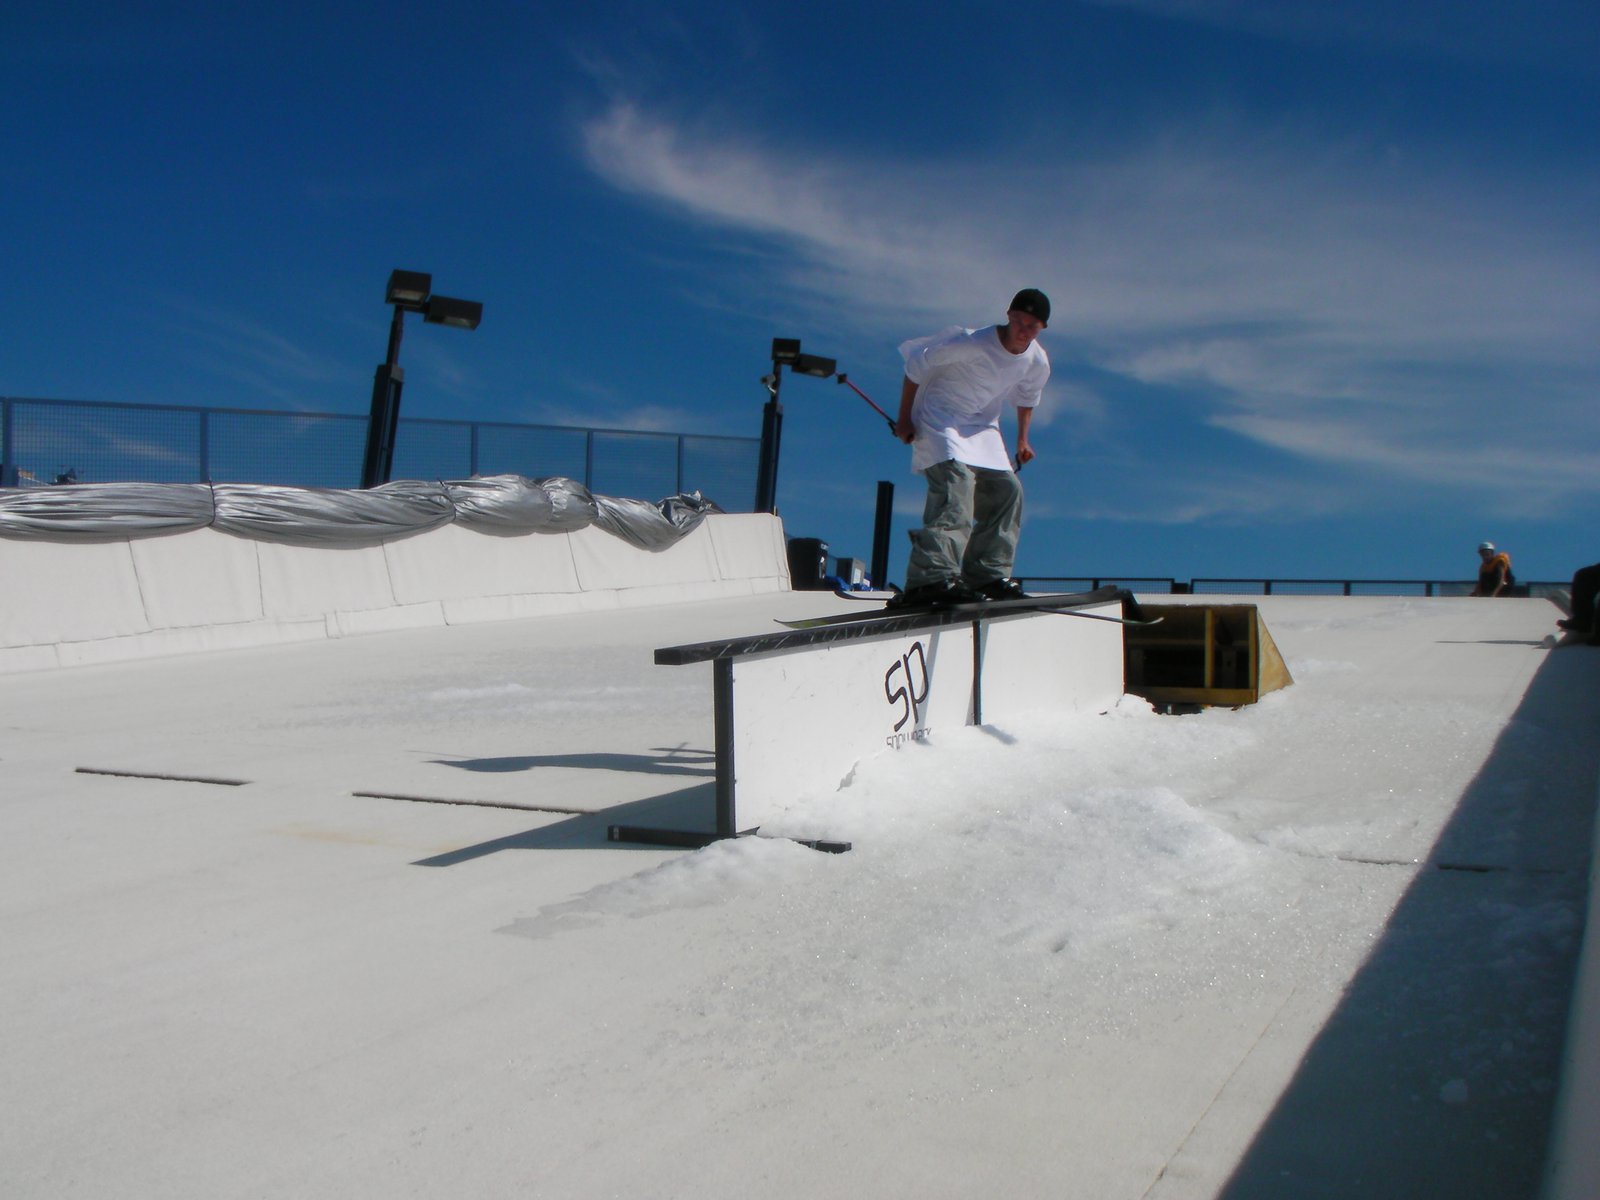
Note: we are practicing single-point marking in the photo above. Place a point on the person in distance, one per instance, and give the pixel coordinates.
(1494, 571)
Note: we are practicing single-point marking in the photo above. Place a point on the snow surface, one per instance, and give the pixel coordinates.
(1319, 946)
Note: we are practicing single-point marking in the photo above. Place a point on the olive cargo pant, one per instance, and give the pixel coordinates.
(970, 526)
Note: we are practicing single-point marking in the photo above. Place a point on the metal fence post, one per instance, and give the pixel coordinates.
(205, 446)
(8, 468)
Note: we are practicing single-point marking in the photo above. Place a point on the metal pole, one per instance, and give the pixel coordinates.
(396, 330)
(771, 436)
(385, 413)
(880, 534)
(386, 385)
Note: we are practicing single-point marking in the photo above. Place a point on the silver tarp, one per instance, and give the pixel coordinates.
(497, 504)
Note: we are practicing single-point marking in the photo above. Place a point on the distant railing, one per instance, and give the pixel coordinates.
(1085, 583)
(1279, 587)
(43, 442)
(1361, 587)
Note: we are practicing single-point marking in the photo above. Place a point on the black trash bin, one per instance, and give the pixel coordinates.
(808, 563)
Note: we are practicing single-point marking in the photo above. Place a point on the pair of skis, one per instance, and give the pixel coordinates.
(1070, 604)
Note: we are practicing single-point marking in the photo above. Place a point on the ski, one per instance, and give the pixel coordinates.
(972, 609)
(1066, 603)
(1138, 622)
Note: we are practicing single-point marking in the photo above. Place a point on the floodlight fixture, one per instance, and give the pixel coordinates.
(458, 314)
(813, 365)
(785, 350)
(408, 291)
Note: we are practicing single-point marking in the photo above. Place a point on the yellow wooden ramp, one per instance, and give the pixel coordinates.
(1203, 654)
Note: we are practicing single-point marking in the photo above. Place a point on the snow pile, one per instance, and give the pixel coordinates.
(1003, 883)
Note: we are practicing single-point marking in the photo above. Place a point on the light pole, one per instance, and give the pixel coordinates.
(785, 352)
(408, 291)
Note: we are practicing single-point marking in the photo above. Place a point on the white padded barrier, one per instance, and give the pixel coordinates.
(477, 576)
(754, 551)
(75, 603)
(55, 593)
(198, 578)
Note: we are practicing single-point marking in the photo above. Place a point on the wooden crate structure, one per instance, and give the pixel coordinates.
(1217, 654)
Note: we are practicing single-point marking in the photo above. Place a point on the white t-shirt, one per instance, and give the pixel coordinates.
(965, 379)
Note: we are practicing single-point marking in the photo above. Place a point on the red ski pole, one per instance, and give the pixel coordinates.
(845, 379)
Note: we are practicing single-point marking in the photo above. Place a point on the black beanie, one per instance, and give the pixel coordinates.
(1033, 302)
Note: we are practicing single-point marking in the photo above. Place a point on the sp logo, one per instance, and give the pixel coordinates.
(905, 684)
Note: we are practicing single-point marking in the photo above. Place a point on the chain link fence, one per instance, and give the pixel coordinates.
(45, 442)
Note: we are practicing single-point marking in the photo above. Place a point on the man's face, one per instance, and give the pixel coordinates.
(1022, 328)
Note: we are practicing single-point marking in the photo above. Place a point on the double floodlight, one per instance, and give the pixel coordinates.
(786, 353)
(411, 291)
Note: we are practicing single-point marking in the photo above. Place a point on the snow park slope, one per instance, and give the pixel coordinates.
(340, 919)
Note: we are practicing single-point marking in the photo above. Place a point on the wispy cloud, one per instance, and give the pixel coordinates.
(251, 355)
(712, 177)
(1472, 30)
(1334, 301)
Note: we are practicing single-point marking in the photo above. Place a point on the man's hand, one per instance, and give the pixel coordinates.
(903, 427)
(1024, 446)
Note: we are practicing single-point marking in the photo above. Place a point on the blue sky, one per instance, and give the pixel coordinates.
(1326, 277)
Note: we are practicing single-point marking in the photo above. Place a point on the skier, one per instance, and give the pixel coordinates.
(956, 385)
